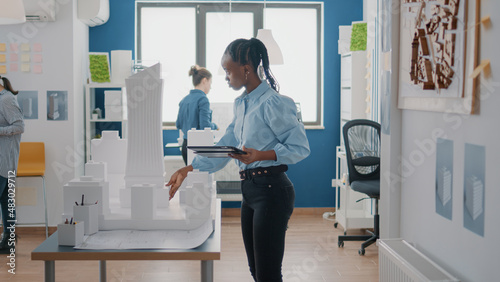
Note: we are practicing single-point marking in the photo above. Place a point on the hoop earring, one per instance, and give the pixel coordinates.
(246, 76)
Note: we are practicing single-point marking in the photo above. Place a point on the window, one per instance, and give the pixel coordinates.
(182, 34)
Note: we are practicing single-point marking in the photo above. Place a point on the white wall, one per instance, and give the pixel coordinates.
(64, 44)
(463, 253)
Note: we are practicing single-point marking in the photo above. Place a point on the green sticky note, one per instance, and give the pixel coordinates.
(358, 36)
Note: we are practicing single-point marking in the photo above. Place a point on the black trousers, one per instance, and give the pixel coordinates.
(265, 210)
(184, 151)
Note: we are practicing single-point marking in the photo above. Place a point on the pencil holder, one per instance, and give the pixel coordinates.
(89, 215)
(70, 234)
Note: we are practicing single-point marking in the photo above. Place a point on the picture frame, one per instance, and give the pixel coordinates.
(99, 67)
(465, 27)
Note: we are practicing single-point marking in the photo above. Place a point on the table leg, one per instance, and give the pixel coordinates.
(50, 271)
(207, 271)
(102, 271)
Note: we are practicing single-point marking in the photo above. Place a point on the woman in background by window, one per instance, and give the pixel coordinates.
(11, 128)
(194, 109)
(266, 127)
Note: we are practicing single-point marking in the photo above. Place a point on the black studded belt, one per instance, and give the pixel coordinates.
(262, 171)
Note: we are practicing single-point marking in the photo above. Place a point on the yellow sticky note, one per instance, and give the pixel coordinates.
(3, 69)
(3, 58)
(25, 67)
(3, 47)
(25, 58)
(25, 47)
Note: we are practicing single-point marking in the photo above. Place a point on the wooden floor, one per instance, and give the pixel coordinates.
(311, 255)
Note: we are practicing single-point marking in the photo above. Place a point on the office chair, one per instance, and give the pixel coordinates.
(362, 147)
(32, 164)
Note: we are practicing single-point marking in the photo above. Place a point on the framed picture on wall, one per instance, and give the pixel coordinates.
(438, 53)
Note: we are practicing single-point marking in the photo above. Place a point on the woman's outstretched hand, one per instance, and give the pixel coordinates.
(176, 180)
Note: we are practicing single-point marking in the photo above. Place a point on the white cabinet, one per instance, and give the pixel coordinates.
(93, 126)
(350, 213)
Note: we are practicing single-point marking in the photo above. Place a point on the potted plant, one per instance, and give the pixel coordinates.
(95, 114)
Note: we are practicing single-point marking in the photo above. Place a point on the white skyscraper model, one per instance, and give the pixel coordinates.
(145, 139)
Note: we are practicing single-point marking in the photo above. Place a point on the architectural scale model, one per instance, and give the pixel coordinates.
(126, 177)
(433, 45)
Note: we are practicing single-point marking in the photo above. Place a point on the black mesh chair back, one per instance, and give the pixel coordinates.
(362, 146)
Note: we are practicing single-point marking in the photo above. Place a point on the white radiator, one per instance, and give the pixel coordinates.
(401, 262)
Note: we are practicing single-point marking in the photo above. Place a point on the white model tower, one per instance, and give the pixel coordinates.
(145, 140)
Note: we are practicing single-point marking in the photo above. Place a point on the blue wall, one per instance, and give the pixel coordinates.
(313, 176)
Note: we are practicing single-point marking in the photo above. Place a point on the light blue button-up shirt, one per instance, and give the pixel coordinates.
(11, 127)
(263, 120)
(194, 112)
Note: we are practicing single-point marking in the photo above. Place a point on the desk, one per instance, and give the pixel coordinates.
(49, 251)
(172, 145)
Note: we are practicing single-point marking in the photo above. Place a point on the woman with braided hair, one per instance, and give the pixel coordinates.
(266, 127)
(11, 128)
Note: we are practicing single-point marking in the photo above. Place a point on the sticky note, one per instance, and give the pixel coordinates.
(3, 48)
(25, 67)
(25, 58)
(3, 58)
(37, 58)
(37, 69)
(13, 57)
(14, 47)
(3, 69)
(25, 47)
(14, 67)
(37, 47)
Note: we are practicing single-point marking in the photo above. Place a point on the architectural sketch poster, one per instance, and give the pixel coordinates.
(28, 101)
(444, 178)
(438, 52)
(474, 188)
(57, 105)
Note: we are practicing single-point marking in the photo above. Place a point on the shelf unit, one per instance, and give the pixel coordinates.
(90, 105)
(353, 104)
(353, 90)
(350, 213)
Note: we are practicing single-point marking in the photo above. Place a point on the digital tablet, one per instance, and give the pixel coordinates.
(216, 151)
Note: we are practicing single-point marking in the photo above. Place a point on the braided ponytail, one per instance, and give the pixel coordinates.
(264, 57)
